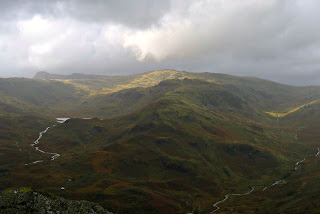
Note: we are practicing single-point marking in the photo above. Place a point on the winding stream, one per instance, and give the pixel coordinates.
(228, 195)
(215, 205)
(37, 141)
(17, 144)
(275, 183)
(298, 163)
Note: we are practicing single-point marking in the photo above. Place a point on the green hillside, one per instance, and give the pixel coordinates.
(160, 142)
(266, 96)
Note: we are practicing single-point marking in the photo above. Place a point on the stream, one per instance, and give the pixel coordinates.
(298, 164)
(37, 141)
(17, 144)
(228, 195)
(215, 205)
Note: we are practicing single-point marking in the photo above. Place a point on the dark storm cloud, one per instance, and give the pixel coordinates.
(138, 13)
(249, 37)
(20, 9)
(35, 34)
(274, 39)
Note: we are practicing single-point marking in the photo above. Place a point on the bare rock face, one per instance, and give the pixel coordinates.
(25, 200)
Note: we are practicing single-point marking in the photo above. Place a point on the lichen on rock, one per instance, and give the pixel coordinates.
(26, 200)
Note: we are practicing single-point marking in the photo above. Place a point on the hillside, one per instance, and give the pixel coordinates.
(38, 97)
(193, 91)
(48, 76)
(266, 95)
(169, 153)
(159, 142)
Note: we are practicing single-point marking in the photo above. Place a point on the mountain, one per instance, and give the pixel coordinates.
(162, 142)
(32, 96)
(266, 95)
(202, 93)
(46, 75)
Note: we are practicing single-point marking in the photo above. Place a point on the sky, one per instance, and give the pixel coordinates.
(273, 39)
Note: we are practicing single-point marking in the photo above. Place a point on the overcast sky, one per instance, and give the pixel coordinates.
(274, 39)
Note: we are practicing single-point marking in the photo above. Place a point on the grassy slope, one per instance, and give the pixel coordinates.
(175, 138)
(61, 95)
(109, 84)
(266, 95)
(16, 134)
(263, 94)
(47, 98)
(194, 139)
(280, 115)
(40, 92)
(127, 101)
(298, 194)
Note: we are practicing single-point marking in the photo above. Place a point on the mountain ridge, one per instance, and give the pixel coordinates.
(47, 75)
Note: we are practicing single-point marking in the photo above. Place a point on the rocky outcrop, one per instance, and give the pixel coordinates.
(25, 200)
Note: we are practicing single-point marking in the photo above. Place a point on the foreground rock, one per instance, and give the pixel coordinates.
(25, 200)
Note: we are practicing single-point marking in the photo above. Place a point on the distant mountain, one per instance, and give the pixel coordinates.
(46, 75)
(267, 95)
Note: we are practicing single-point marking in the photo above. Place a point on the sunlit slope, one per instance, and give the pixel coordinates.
(107, 84)
(265, 95)
(106, 97)
(305, 118)
(280, 115)
(196, 92)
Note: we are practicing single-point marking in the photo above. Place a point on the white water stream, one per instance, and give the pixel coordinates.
(62, 119)
(297, 165)
(37, 141)
(227, 196)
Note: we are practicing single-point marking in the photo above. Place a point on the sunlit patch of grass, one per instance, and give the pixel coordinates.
(24, 190)
(76, 85)
(148, 80)
(145, 80)
(279, 114)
